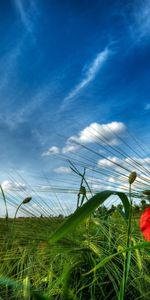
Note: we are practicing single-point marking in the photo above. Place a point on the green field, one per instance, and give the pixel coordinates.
(89, 255)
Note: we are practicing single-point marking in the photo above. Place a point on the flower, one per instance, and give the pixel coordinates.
(145, 223)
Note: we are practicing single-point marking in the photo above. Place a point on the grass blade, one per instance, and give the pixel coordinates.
(85, 211)
(108, 258)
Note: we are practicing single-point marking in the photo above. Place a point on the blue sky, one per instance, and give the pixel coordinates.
(65, 65)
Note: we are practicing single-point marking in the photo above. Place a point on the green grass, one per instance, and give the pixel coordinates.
(86, 262)
(95, 253)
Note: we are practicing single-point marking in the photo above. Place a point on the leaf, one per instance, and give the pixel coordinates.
(84, 211)
(138, 256)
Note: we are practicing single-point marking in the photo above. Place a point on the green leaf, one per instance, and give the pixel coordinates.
(85, 211)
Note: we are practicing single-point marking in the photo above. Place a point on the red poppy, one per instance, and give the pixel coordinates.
(145, 223)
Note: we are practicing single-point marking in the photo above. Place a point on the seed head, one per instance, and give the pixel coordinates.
(82, 190)
(132, 177)
(27, 200)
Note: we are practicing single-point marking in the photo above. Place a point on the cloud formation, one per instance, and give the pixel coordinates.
(128, 164)
(70, 148)
(89, 76)
(51, 151)
(62, 170)
(101, 133)
(13, 186)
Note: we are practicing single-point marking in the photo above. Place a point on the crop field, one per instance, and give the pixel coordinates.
(74, 150)
(100, 250)
(96, 253)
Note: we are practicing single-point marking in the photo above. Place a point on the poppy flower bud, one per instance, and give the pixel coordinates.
(132, 177)
(145, 223)
(27, 200)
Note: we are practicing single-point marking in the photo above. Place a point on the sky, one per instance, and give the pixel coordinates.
(71, 72)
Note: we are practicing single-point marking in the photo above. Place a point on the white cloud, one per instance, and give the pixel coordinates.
(122, 168)
(102, 133)
(145, 162)
(51, 151)
(95, 132)
(140, 165)
(13, 186)
(109, 162)
(62, 170)
(90, 74)
(70, 148)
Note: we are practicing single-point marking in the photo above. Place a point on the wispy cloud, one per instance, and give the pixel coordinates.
(89, 76)
(13, 186)
(140, 28)
(8, 64)
(29, 108)
(147, 106)
(14, 117)
(62, 170)
(27, 11)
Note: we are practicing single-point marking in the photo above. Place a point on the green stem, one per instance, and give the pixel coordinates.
(17, 210)
(127, 254)
(13, 224)
(4, 198)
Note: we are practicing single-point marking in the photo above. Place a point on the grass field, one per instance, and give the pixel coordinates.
(97, 252)
(90, 255)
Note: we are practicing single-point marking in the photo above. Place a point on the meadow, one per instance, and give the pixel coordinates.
(97, 252)
(84, 256)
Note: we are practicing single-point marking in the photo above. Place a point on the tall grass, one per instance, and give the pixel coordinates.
(77, 266)
(94, 253)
